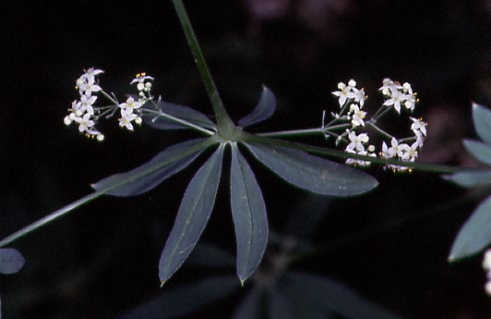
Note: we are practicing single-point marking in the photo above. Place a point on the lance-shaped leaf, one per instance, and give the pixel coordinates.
(193, 215)
(475, 234)
(249, 214)
(470, 178)
(481, 117)
(479, 150)
(151, 174)
(323, 295)
(264, 109)
(313, 173)
(11, 261)
(185, 300)
(162, 122)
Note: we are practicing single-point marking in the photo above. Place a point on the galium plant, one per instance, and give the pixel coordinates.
(350, 126)
(289, 160)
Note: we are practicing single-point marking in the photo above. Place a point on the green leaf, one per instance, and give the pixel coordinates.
(482, 122)
(184, 300)
(322, 295)
(479, 150)
(264, 109)
(249, 214)
(151, 174)
(313, 173)
(470, 178)
(306, 216)
(11, 261)
(475, 234)
(193, 215)
(180, 111)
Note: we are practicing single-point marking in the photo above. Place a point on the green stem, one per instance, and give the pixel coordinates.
(224, 122)
(84, 200)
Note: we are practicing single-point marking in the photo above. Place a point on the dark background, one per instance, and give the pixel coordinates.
(102, 259)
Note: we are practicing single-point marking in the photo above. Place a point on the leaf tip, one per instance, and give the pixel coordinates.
(162, 283)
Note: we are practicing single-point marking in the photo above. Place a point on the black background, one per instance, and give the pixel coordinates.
(102, 259)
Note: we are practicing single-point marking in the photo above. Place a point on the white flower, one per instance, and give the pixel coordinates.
(411, 152)
(345, 92)
(85, 123)
(130, 105)
(397, 149)
(418, 126)
(388, 86)
(126, 118)
(86, 104)
(486, 264)
(357, 142)
(140, 80)
(359, 96)
(396, 98)
(385, 151)
(90, 74)
(358, 115)
(86, 88)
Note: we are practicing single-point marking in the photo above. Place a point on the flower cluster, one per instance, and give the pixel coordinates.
(486, 264)
(86, 115)
(352, 118)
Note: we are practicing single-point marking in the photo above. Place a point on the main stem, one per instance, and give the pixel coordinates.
(225, 124)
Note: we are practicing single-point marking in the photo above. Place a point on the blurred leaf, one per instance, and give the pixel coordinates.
(475, 234)
(193, 215)
(479, 150)
(313, 173)
(208, 255)
(180, 111)
(251, 305)
(279, 306)
(184, 300)
(249, 214)
(328, 296)
(264, 109)
(482, 122)
(149, 175)
(470, 178)
(11, 261)
(306, 216)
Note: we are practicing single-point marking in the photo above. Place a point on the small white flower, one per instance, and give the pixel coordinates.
(411, 152)
(126, 118)
(359, 96)
(345, 92)
(85, 123)
(418, 126)
(486, 264)
(90, 74)
(358, 115)
(130, 105)
(86, 88)
(385, 151)
(396, 98)
(357, 142)
(86, 104)
(397, 149)
(140, 82)
(388, 86)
